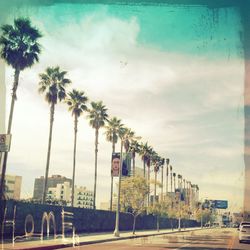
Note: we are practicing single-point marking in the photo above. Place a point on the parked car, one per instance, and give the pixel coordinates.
(244, 234)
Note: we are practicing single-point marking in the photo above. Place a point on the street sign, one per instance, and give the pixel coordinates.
(5, 142)
(219, 204)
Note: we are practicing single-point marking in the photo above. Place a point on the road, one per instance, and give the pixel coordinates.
(219, 239)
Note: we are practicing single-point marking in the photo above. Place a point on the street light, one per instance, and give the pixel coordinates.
(116, 231)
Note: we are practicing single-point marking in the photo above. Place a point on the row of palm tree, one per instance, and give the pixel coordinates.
(20, 48)
(53, 84)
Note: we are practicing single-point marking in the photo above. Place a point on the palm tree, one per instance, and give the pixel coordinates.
(123, 135)
(52, 84)
(156, 162)
(77, 105)
(171, 178)
(134, 148)
(162, 162)
(112, 129)
(97, 118)
(174, 175)
(167, 173)
(130, 135)
(19, 49)
(149, 156)
(144, 150)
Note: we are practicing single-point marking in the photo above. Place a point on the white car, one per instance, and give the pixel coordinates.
(243, 223)
(244, 234)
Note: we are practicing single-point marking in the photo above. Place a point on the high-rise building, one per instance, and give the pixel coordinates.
(13, 186)
(52, 182)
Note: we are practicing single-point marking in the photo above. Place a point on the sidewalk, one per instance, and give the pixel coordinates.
(83, 239)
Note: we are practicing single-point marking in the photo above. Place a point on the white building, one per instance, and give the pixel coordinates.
(83, 197)
(62, 192)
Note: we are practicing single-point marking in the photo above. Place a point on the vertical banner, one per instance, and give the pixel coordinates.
(115, 164)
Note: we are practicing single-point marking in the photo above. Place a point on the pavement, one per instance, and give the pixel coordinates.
(206, 239)
(83, 239)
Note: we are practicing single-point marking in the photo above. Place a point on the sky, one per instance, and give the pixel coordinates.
(174, 75)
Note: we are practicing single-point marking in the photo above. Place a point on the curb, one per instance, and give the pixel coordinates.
(65, 245)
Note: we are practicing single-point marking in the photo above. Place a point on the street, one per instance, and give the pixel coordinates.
(219, 238)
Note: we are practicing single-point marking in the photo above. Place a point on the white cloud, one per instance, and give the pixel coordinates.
(165, 97)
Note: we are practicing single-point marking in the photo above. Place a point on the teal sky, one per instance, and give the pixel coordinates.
(180, 72)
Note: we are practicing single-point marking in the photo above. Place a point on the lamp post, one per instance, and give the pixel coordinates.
(116, 231)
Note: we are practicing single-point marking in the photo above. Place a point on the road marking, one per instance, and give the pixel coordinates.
(231, 243)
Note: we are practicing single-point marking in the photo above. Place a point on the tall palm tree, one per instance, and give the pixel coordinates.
(134, 148)
(171, 178)
(174, 175)
(77, 105)
(162, 162)
(130, 135)
(20, 49)
(149, 156)
(167, 173)
(52, 84)
(144, 153)
(97, 118)
(112, 129)
(156, 163)
(125, 136)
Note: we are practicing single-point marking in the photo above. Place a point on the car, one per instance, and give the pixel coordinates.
(244, 233)
(244, 223)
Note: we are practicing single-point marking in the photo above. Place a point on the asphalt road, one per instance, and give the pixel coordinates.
(219, 239)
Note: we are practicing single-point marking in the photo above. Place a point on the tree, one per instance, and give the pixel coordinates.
(97, 118)
(52, 84)
(160, 209)
(174, 175)
(77, 105)
(19, 49)
(133, 192)
(144, 153)
(167, 173)
(134, 148)
(112, 129)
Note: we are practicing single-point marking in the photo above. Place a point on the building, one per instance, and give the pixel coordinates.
(52, 182)
(105, 205)
(62, 194)
(13, 186)
(83, 198)
(62, 191)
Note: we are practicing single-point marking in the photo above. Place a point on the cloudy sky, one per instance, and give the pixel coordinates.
(172, 74)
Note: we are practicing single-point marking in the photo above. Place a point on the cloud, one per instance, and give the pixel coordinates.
(184, 106)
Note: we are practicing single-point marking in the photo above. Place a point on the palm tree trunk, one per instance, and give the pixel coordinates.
(162, 183)
(155, 187)
(144, 169)
(5, 155)
(148, 186)
(96, 151)
(167, 183)
(133, 164)
(111, 192)
(74, 162)
(171, 180)
(52, 111)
